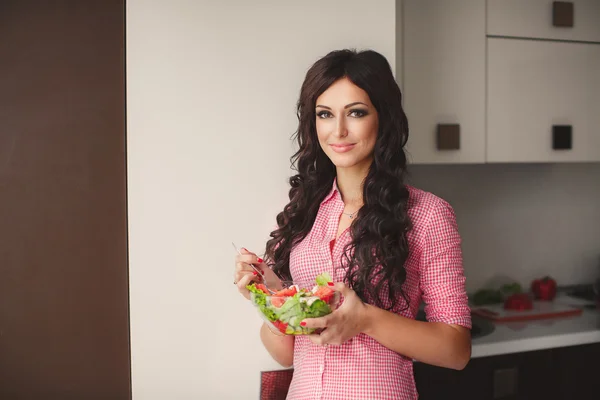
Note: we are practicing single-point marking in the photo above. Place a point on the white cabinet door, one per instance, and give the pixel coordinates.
(534, 19)
(534, 85)
(444, 77)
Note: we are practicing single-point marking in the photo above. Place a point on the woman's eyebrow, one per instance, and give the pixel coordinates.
(355, 103)
(347, 105)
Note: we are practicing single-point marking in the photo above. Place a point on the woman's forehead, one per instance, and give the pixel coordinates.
(342, 92)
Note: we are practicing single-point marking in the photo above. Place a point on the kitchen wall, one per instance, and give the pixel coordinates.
(211, 91)
(522, 221)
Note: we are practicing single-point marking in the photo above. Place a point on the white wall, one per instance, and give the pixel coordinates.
(211, 91)
(522, 221)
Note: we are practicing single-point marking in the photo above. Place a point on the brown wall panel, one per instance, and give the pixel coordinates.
(64, 330)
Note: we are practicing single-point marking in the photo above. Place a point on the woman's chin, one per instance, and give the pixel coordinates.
(346, 160)
(347, 163)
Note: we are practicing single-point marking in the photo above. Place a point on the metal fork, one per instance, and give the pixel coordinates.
(259, 272)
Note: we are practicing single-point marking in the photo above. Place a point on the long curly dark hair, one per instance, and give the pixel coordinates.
(379, 248)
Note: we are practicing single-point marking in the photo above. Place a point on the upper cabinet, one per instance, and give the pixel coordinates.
(443, 80)
(545, 19)
(543, 101)
(500, 81)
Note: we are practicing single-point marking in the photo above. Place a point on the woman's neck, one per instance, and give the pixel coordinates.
(350, 183)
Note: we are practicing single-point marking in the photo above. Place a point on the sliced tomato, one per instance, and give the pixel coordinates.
(286, 292)
(262, 287)
(282, 326)
(277, 301)
(325, 293)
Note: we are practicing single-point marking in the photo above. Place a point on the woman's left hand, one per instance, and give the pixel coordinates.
(344, 323)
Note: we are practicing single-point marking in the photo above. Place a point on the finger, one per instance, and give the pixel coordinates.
(242, 266)
(316, 339)
(256, 260)
(241, 274)
(315, 323)
(248, 269)
(245, 280)
(249, 259)
(342, 288)
(246, 251)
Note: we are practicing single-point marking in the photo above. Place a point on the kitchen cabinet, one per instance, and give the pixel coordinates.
(490, 94)
(543, 101)
(443, 80)
(577, 371)
(559, 374)
(537, 19)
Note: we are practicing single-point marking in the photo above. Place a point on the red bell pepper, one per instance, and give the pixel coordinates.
(544, 289)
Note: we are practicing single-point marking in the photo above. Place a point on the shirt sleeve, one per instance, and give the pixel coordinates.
(442, 278)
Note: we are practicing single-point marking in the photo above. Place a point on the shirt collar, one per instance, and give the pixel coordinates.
(332, 192)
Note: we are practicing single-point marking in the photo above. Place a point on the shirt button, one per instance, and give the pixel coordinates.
(321, 368)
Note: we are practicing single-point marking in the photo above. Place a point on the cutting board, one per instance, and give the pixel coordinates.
(541, 310)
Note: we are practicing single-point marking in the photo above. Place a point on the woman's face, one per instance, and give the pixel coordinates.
(347, 124)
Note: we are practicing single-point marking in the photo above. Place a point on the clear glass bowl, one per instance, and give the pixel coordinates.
(285, 310)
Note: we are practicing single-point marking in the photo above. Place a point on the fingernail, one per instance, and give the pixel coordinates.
(255, 273)
(245, 249)
(260, 260)
(330, 283)
(302, 323)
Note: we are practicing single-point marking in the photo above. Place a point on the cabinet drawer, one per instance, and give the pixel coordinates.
(534, 19)
(534, 86)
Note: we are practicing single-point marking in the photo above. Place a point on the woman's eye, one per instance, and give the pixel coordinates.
(357, 113)
(324, 114)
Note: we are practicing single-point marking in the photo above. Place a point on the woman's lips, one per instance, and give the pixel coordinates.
(342, 148)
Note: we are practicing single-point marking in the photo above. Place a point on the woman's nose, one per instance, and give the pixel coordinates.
(340, 128)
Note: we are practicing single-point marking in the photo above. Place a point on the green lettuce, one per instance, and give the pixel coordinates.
(293, 307)
(259, 298)
(323, 279)
(317, 309)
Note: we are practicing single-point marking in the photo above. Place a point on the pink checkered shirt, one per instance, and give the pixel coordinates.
(362, 368)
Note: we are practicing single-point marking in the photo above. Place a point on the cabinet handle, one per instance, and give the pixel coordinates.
(562, 137)
(448, 136)
(562, 13)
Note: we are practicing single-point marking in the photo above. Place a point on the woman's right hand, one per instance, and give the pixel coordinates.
(244, 274)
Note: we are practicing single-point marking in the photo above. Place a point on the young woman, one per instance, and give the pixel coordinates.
(387, 245)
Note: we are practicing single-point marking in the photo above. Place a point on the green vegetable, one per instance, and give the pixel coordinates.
(487, 296)
(494, 296)
(290, 330)
(291, 308)
(510, 289)
(323, 279)
(318, 309)
(259, 298)
(294, 311)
